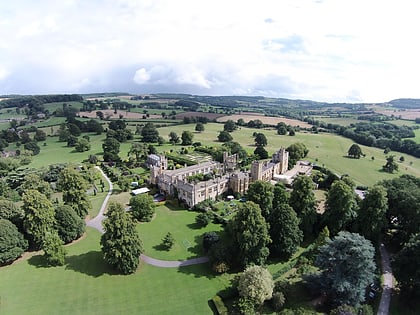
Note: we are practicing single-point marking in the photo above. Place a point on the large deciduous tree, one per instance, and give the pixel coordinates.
(303, 201)
(260, 139)
(39, 216)
(249, 234)
(341, 207)
(407, 268)
(74, 187)
(68, 224)
(9, 211)
(111, 148)
(403, 214)
(121, 244)
(284, 231)
(173, 137)
(355, 151)
(199, 127)
(138, 150)
(256, 285)
(224, 136)
(297, 151)
(371, 217)
(187, 137)
(142, 207)
(347, 267)
(262, 194)
(12, 243)
(149, 133)
(261, 153)
(229, 126)
(34, 181)
(390, 166)
(54, 251)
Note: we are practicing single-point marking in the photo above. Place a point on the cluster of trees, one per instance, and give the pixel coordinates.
(381, 135)
(283, 129)
(41, 223)
(260, 142)
(34, 104)
(273, 223)
(186, 137)
(265, 225)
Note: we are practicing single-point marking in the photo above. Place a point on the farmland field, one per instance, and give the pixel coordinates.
(110, 113)
(409, 114)
(210, 116)
(342, 121)
(266, 120)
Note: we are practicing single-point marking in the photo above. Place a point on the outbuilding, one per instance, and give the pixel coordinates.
(139, 191)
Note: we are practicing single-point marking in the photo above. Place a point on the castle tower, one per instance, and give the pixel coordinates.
(229, 162)
(163, 163)
(256, 170)
(282, 158)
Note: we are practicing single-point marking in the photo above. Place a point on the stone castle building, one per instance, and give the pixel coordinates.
(224, 176)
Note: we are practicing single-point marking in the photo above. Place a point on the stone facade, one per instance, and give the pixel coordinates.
(266, 170)
(224, 176)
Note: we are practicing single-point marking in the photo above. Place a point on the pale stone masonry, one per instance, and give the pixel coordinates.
(225, 176)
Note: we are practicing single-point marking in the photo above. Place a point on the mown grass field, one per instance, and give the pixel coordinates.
(181, 223)
(86, 285)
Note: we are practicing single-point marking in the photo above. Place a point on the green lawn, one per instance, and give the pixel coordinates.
(86, 285)
(58, 152)
(181, 223)
(324, 149)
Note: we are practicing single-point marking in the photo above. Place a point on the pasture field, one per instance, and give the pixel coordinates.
(342, 121)
(417, 133)
(410, 114)
(10, 113)
(324, 149)
(52, 107)
(86, 285)
(403, 122)
(265, 119)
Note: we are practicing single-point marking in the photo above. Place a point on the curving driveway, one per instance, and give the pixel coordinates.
(96, 223)
(388, 282)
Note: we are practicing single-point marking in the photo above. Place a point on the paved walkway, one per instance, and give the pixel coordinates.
(388, 282)
(96, 223)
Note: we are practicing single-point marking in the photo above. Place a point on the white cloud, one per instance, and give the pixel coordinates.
(3, 73)
(141, 76)
(322, 50)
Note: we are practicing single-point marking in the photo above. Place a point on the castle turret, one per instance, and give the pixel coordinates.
(256, 170)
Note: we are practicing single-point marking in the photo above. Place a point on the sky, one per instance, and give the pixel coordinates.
(323, 50)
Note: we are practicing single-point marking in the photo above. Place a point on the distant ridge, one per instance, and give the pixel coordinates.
(408, 103)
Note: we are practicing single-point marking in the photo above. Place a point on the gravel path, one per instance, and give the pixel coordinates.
(388, 282)
(96, 223)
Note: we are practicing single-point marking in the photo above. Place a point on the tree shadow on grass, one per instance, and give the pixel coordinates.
(90, 263)
(198, 271)
(174, 205)
(160, 247)
(197, 248)
(194, 226)
(38, 261)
